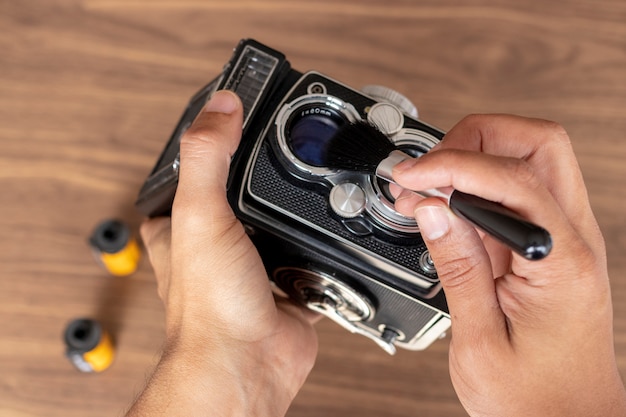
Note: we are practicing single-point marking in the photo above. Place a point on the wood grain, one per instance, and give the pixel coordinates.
(90, 91)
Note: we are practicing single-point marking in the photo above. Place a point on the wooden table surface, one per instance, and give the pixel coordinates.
(91, 89)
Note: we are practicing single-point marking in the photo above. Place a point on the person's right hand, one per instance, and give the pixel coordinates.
(529, 338)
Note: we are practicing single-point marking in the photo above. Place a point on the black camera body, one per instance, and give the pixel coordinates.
(330, 240)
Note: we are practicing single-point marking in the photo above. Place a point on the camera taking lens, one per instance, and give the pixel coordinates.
(310, 130)
(303, 129)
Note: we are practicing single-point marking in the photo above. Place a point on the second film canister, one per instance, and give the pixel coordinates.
(115, 247)
(88, 346)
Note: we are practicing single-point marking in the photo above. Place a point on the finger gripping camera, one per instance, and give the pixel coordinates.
(330, 240)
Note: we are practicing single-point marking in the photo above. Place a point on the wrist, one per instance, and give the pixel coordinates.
(229, 377)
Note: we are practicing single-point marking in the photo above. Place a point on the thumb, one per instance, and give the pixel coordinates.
(464, 270)
(206, 149)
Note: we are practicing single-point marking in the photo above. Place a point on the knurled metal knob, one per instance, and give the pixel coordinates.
(387, 117)
(388, 95)
(347, 200)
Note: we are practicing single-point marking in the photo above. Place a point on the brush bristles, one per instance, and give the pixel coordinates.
(359, 147)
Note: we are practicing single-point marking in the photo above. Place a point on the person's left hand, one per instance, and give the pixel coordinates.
(223, 323)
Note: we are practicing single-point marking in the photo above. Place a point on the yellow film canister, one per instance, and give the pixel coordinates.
(115, 248)
(88, 346)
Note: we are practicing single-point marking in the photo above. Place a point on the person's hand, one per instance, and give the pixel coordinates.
(230, 346)
(529, 338)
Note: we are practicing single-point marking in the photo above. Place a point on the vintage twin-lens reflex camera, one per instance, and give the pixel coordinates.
(330, 240)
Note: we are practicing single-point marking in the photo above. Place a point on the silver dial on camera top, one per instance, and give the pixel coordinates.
(386, 117)
(388, 95)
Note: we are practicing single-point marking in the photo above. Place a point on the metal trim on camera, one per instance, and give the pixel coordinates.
(381, 203)
(325, 294)
(304, 126)
(336, 300)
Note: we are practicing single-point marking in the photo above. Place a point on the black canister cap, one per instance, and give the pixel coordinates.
(83, 335)
(111, 236)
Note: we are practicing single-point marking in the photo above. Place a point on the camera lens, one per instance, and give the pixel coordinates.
(309, 134)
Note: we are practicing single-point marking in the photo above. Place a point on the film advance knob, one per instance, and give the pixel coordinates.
(347, 200)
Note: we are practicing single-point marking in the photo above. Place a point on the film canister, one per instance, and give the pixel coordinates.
(115, 247)
(88, 346)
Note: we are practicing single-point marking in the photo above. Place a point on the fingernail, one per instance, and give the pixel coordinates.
(404, 165)
(222, 101)
(433, 221)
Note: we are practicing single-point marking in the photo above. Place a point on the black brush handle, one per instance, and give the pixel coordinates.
(527, 239)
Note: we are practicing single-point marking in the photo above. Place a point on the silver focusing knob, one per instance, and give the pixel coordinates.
(388, 95)
(347, 200)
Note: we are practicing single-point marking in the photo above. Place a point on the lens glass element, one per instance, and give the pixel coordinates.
(310, 133)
